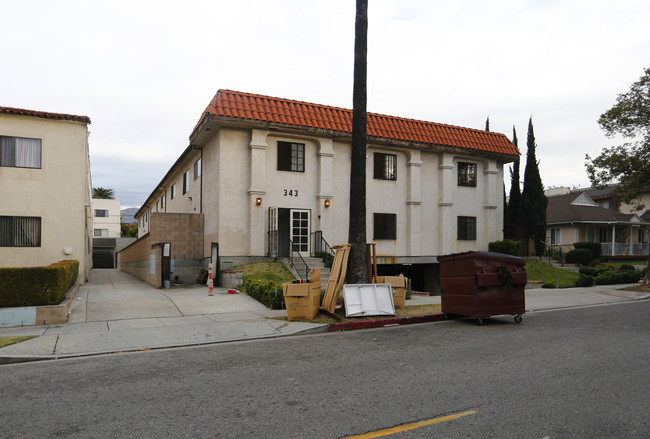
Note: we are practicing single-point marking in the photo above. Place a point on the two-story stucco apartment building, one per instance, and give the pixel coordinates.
(45, 185)
(262, 172)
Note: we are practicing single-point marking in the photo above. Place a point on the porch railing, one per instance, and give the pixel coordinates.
(321, 248)
(298, 262)
(553, 251)
(624, 249)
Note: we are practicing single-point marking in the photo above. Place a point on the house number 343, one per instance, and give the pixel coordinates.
(290, 192)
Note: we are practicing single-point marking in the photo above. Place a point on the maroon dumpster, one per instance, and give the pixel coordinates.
(482, 284)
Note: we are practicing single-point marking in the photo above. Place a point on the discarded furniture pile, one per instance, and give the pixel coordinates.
(380, 297)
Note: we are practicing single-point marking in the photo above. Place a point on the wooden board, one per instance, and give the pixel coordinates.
(337, 277)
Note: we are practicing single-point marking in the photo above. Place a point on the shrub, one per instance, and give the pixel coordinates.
(593, 246)
(548, 285)
(268, 293)
(328, 258)
(584, 280)
(591, 271)
(626, 267)
(506, 246)
(37, 286)
(611, 277)
(580, 256)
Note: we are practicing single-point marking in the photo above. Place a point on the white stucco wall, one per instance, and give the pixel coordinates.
(240, 165)
(58, 192)
(111, 223)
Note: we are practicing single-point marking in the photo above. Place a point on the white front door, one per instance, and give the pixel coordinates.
(300, 230)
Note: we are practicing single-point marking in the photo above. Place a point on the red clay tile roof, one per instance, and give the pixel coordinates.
(237, 105)
(31, 113)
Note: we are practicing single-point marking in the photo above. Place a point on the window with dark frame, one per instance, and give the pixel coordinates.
(385, 166)
(20, 152)
(466, 174)
(384, 226)
(466, 228)
(101, 213)
(291, 157)
(197, 168)
(20, 231)
(186, 181)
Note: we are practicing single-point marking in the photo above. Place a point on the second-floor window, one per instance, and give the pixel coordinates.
(20, 152)
(101, 213)
(385, 166)
(186, 181)
(173, 191)
(466, 174)
(291, 156)
(197, 168)
(162, 202)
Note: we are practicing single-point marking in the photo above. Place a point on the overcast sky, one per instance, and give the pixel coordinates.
(144, 71)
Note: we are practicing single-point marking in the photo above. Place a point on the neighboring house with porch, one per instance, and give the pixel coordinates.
(269, 177)
(576, 217)
(45, 212)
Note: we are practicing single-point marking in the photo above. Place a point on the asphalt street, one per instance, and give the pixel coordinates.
(572, 373)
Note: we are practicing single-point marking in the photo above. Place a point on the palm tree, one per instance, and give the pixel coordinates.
(103, 193)
(357, 268)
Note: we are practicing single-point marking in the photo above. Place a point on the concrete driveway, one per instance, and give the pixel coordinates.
(111, 295)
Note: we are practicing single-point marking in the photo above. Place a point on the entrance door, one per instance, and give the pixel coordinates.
(299, 230)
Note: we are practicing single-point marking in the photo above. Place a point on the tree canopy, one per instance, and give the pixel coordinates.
(103, 193)
(627, 164)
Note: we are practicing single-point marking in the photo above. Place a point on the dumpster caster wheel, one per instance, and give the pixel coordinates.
(479, 321)
(518, 318)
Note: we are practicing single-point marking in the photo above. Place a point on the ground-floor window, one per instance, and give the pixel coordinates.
(385, 226)
(555, 236)
(466, 228)
(20, 231)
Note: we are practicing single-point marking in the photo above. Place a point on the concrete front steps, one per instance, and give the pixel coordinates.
(312, 263)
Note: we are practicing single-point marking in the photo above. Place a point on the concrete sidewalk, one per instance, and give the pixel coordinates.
(114, 312)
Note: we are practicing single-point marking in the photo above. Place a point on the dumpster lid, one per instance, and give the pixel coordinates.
(476, 253)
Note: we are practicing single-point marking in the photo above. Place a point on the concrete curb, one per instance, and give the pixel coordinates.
(14, 359)
(388, 321)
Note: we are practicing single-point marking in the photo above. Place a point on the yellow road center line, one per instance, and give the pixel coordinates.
(411, 426)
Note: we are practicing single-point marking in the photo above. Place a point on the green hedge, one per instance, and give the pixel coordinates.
(585, 280)
(593, 246)
(506, 246)
(37, 286)
(582, 256)
(612, 277)
(269, 293)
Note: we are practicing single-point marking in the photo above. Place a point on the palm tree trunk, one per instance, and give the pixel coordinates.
(357, 265)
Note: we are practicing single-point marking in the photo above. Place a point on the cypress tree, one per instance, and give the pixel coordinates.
(533, 199)
(487, 124)
(513, 212)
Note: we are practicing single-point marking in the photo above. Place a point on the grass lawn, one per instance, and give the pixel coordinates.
(6, 341)
(542, 272)
(265, 271)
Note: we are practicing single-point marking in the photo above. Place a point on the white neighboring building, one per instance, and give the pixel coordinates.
(263, 172)
(106, 218)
